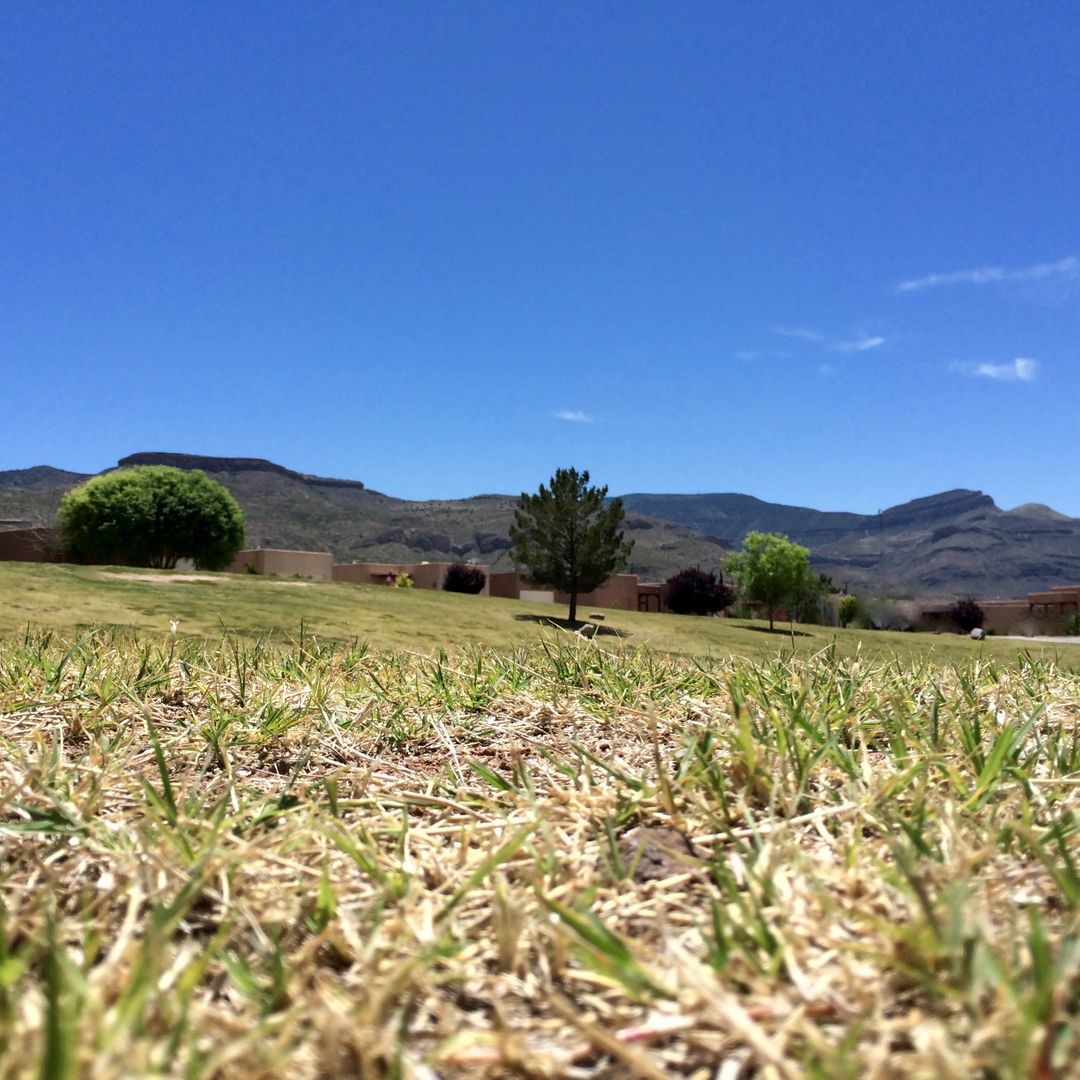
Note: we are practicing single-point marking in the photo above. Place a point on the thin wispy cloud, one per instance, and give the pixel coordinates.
(1068, 267)
(858, 345)
(826, 370)
(762, 354)
(1022, 369)
(801, 333)
(575, 416)
(817, 337)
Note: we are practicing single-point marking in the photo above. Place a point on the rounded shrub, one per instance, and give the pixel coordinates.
(152, 515)
(462, 578)
(694, 592)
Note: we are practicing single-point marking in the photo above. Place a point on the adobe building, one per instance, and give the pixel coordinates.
(284, 563)
(425, 575)
(1040, 613)
(32, 543)
(1062, 600)
(624, 592)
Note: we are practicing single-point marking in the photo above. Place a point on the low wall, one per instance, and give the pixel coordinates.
(284, 563)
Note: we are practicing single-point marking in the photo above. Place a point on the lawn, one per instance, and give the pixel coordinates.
(308, 859)
(68, 598)
(328, 830)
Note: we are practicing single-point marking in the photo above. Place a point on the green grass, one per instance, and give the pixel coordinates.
(230, 858)
(68, 597)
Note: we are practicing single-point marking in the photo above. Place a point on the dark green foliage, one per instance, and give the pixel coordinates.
(694, 592)
(464, 579)
(567, 537)
(152, 515)
(966, 614)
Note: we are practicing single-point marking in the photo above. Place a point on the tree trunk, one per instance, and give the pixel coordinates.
(573, 606)
(771, 613)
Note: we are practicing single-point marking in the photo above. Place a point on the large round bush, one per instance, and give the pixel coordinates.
(152, 515)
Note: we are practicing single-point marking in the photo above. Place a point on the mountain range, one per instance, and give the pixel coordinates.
(956, 543)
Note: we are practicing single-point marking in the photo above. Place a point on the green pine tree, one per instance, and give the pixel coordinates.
(567, 537)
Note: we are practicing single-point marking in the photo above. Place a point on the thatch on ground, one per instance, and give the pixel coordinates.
(259, 861)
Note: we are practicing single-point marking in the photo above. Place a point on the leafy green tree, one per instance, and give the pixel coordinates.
(770, 570)
(567, 537)
(152, 515)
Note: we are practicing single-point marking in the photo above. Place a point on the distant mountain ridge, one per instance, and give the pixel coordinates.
(229, 464)
(957, 542)
(289, 509)
(732, 516)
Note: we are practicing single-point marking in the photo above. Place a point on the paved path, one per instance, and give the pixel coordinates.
(1040, 637)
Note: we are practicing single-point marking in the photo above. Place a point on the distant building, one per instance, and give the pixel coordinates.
(30, 543)
(284, 563)
(1041, 612)
(425, 575)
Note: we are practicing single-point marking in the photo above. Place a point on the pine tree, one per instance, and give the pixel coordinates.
(567, 537)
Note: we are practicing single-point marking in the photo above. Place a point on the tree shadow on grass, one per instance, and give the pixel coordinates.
(572, 627)
(782, 630)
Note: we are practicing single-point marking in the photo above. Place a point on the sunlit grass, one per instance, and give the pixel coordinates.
(247, 857)
(69, 598)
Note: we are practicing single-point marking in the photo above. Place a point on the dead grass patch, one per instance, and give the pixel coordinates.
(240, 860)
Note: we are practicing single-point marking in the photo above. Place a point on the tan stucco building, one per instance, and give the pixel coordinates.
(283, 562)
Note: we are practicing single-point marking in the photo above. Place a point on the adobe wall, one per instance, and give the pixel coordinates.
(29, 545)
(284, 563)
(620, 591)
(623, 592)
(653, 596)
(1005, 616)
(506, 584)
(425, 575)
(999, 617)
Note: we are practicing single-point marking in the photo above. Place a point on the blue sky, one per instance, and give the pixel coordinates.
(821, 253)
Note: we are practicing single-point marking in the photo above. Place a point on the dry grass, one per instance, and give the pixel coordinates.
(252, 860)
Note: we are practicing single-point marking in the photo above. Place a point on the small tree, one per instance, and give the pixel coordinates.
(152, 515)
(770, 569)
(848, 610)
(461, 578)
(694, 592)
(567, 537)
(966, 614)
(403, 580)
